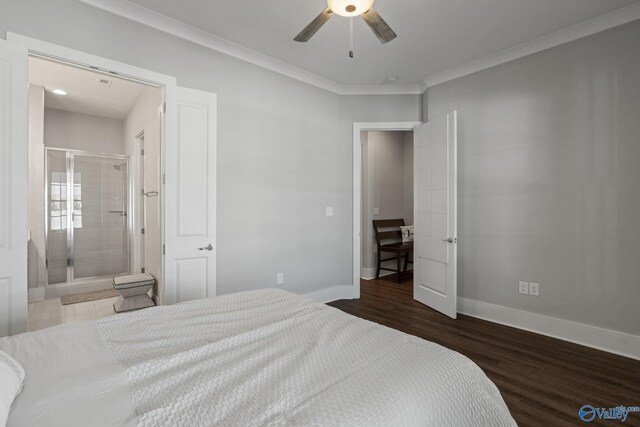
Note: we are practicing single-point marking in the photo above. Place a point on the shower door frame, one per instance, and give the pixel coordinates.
(70, 159)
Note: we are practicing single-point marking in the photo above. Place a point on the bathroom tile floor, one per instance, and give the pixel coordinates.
(51, 312)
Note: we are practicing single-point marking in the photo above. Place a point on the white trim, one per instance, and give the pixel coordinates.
(591, 336)
(84, 59)
(397, 89)
(370, 273)
(332, 294)
(583, 29)
(357, 186)
(36, 294)
(187, 32)
(184, 31)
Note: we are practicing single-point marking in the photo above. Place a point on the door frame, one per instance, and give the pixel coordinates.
(80, 59)
(359, 127)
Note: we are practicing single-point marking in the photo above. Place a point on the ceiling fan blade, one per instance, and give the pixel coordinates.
(314, 26)
(380, 28)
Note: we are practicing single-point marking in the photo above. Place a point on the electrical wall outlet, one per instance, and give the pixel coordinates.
(329, 211)
(523, 288)
(534, 289)
(280, 278)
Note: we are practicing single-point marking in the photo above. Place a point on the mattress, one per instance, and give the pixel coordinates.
(256, 358)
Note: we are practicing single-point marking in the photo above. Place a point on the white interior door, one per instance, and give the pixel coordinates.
(13, 188)
(435, 215)
(190, 195)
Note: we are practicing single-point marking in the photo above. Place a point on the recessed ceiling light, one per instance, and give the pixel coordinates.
(59, 92)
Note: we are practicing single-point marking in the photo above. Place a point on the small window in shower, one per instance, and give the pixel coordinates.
(77, 200)
(58, 213)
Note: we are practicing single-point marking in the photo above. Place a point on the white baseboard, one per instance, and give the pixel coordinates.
(333, 293)
(370, 273)
(36, 294)
(591, 336)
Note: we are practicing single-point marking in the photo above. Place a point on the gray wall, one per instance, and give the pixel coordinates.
(37, 273)
(549, 148)
(407, 177)
(64, 129)
(284, 147)
(144, 116)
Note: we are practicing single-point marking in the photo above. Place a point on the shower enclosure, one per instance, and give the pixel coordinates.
(86, 212)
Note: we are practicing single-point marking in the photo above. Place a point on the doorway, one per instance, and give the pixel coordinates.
(435, 208)
(358, 129)
(83, 191)
(188, 139)
(387, 195)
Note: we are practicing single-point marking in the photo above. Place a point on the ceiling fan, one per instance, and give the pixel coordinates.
(350, 8)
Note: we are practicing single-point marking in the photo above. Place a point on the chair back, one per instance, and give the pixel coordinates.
(388, 231)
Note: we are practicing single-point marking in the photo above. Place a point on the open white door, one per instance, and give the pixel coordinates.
(13, 188)
(435, 231)
(190, 195)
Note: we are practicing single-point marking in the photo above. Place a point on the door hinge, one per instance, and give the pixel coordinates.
(164, 178)
(164, 107)
(142, 270)
(163, 249)
(142, 230)
(142, 152)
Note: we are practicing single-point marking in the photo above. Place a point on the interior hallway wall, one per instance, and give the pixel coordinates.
(144, 116)
(407, 177)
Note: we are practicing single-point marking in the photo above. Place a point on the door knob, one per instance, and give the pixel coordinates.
(450, 240)
(209, 247)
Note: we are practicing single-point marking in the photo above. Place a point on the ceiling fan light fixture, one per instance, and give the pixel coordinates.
(349, 7)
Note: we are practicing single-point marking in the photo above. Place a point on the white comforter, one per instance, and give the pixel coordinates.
(254, 358)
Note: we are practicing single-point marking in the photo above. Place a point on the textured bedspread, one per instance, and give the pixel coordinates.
(270, 357)
(256, 358)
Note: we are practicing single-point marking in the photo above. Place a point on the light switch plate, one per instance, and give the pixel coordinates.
(534, 289)
(280, 278)
(376, 211)
(329, 211)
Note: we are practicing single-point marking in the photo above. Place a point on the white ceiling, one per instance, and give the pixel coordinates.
(433, 35)
(84, 94)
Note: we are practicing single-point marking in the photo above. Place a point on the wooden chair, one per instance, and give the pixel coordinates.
(389, 239)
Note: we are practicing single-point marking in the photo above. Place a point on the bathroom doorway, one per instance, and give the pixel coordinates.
(87, 213)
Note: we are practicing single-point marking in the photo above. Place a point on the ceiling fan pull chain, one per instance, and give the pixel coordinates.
(351, 37)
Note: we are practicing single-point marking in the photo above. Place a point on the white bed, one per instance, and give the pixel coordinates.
(255, 358)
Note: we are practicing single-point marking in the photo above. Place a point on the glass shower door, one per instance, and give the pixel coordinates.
(87, 227)
(100, 237)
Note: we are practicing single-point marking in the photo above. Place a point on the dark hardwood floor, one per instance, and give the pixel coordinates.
(543, 380)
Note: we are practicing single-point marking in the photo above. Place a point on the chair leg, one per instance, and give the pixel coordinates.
(406, 261)
(399, 266)
(378, 268)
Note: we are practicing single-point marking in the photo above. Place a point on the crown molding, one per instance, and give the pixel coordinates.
(184, 31)
(187, 32)
(397, 89)
(583, 29)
